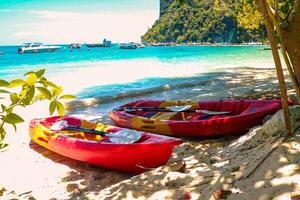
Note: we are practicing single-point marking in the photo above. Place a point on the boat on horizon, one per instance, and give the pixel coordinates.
(105, 43)
(75, 46)
(36, 47)
(140, 45)
(130, 45)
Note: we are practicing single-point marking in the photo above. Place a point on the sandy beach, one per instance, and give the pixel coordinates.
(263, 164)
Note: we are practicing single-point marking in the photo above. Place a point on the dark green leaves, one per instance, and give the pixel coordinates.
(45, 92)
(14, 98)
(3, 83)
(40, 73)
(4, 91)
(56, 91)
(29, 96)
(24, 93)
(58, 106)
(13, 118)
(16, 83)
(48, 83)
(52, 107)
(67, 96)
(31, 79)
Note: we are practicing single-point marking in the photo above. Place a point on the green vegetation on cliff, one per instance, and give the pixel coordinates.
(206, 21)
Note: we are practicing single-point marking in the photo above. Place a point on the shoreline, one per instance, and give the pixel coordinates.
(235, 84)
(34, 172)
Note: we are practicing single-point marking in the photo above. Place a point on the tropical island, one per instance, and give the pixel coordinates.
(200, 21)
(253, 159)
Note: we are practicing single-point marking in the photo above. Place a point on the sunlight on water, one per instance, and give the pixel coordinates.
(110, 71)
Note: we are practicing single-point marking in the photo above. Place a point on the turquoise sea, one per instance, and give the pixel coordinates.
(109, 73)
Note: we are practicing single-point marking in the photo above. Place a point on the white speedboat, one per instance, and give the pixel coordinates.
(130, 45)
(37, 48)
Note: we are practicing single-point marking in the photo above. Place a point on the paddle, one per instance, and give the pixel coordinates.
(124, 136)
(170, 108)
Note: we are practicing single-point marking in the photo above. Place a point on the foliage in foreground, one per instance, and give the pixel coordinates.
(24, 92)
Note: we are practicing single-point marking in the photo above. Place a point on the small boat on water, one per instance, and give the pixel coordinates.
(105, 43)
(1, 52)
(37, 48)
(139, 45)
(148, 151)
(130, 45)
(197, 119)
(75, 46)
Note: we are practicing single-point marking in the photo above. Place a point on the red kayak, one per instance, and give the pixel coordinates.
(149, 151)
(204, 118)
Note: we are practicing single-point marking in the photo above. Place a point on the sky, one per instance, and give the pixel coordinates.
(75, 21)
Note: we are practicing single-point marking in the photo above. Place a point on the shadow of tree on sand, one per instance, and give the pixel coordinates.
(199, 167)
(82, 177)
(263, 164)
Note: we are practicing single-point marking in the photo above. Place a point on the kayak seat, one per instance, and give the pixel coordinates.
(149, 114)
(204, 117)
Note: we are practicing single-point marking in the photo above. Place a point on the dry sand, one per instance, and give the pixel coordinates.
(197, 168)
(263, 164)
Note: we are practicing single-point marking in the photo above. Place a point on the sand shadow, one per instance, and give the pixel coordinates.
(83, 178)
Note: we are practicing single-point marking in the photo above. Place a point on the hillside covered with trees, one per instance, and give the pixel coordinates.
(206, 21)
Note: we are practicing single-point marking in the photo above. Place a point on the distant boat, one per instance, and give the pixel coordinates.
(140, 45)
(37, 48)
(75, 46)
(1, 52)
(106, 43)
(130, 45)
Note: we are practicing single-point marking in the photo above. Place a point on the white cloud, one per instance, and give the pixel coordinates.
(67, 27)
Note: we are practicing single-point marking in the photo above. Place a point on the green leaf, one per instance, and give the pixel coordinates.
(3, 107)
(4, 91)
(45, 92)
(52, 107)
(15, 127)
(43, 79)
(14, 98)
(16, 83)
(49, 83)
(27, 73)
(31, 79)
(13, 118)
(60, 108)
(67, 96)
(9, 110)
(29, 96)
(40, 97)
(40, 73)
(56, 91)
(3, 145)
(3, 83)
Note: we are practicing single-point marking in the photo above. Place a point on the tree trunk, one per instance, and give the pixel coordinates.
(291, 35)
(282, 86)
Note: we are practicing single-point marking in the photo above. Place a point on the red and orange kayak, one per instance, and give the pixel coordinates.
(149, 151)
(204, 118)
